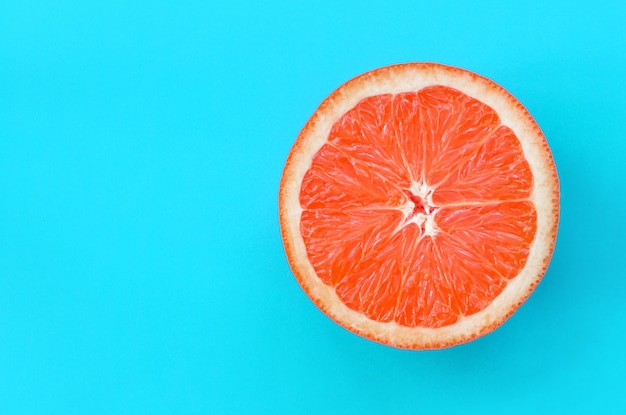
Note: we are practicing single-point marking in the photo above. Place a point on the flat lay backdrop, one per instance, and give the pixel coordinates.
(141, 265)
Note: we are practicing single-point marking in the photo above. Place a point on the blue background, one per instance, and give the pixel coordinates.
(141, 265)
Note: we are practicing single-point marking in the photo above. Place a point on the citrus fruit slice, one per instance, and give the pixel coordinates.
(419, 205)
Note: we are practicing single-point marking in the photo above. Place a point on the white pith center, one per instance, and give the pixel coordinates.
(420, 209)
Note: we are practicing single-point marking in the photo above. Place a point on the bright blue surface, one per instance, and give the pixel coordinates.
(141, 266)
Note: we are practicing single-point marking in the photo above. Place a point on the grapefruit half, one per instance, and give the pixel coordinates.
(419, 205)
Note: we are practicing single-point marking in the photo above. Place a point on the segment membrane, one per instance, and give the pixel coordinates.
(339, 241)
(453, 125)
(499, 233)
(497, 171)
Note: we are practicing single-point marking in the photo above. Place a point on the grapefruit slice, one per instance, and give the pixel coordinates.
(419, 205)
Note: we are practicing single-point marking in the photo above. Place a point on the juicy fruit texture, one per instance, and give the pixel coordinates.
(417, 209)
(419, 205)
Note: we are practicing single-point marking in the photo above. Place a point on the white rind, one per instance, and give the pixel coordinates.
(545, 196)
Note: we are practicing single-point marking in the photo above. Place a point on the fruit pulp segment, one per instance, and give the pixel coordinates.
(392, 165)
